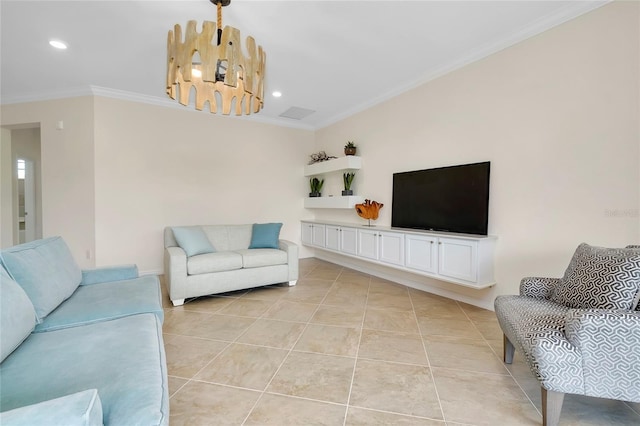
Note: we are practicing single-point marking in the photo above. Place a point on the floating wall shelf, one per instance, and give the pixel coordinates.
(337, 202)
(348, 162)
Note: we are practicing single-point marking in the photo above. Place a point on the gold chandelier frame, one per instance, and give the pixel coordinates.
(223, 73)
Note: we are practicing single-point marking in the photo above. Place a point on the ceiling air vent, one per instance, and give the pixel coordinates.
(297, 113)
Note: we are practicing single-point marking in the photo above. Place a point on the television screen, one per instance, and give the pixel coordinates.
(452, 199)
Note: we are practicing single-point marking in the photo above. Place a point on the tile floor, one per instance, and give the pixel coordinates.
(345, 348)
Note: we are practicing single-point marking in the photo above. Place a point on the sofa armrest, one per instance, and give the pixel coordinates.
(538, 287)
(175, 272)
(292, 257)
(78, 409)
(609, 341)
(110, 273)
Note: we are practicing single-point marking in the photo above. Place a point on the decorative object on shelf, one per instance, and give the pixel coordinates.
(350, 148)
(220, 67)
(316, 187)
(320, 156)
(369, 210)
(347, 178)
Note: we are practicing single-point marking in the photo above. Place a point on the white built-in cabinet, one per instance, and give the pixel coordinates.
(458, 258)
(340, 238)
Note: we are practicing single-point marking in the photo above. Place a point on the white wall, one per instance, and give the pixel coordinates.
(557, 116)
(158, 167)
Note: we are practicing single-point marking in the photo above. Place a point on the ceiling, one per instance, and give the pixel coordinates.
(333, 57)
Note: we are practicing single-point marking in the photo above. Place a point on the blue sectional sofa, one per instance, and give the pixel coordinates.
(78, 347)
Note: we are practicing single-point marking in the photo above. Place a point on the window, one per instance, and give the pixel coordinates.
(21, 168)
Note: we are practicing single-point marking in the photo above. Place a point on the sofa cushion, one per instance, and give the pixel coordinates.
(214, 262)
(17, 316)
(600, 278)
(45, 270)
(265, 235)
(78, 409)
(123, 359)
(192, 240)
(256, 258)
(105, 302)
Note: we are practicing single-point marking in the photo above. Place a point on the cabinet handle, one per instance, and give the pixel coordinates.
(431, 242)
(439, 243)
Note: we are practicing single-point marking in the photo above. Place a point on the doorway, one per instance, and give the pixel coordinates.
(20, 183)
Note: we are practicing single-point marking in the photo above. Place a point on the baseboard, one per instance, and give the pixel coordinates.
(151, 272)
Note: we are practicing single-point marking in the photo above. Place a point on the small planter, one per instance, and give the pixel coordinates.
(315, 194)
(350, 151)
(347, 192)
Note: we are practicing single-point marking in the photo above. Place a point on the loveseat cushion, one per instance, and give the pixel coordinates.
(45, 270)
(192, 240)
(105, 302)
(123, 359)
(17, 316)
(600, 278)
(214, 262)
(265, 235)
(256, 258)
(78, 409)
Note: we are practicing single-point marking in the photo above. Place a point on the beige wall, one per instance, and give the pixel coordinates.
(158, 167)
(67, 168)
(557, 116)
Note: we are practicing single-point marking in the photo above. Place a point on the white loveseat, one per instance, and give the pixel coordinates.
(233, 265)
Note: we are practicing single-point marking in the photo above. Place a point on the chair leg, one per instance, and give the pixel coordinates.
(507, 350)
(551, 406)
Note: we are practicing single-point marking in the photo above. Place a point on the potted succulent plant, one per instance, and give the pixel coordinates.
(316, 186)
(350, 148)
(347, 178)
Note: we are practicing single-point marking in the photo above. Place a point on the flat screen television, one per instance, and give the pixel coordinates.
(452, 199)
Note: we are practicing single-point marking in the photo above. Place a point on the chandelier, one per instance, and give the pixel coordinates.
(217, 68)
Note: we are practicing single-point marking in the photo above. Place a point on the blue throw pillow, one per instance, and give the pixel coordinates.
(192, 240)
(265, 235)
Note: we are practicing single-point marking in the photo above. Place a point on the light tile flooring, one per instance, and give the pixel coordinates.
(345, 348)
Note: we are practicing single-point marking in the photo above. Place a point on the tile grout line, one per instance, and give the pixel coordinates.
(426, 353)
(500, 358)
(306, 325)
(355, 363)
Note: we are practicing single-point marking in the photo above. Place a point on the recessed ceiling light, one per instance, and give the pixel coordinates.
(276, 94)
(58, 44)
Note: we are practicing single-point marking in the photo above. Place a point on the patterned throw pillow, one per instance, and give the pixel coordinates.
(600, 278)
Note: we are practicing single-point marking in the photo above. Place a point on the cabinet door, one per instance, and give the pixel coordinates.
(317, 235)
(332, 237)
(421, 253)
(391, 247)
(307, 233)
(458, 259)
(368, 244)
(349, 240)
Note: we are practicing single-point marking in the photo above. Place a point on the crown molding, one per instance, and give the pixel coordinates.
(569, 12)
(69, 92)
(124, 95)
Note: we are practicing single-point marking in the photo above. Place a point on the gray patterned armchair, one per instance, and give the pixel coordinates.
(580, 334)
